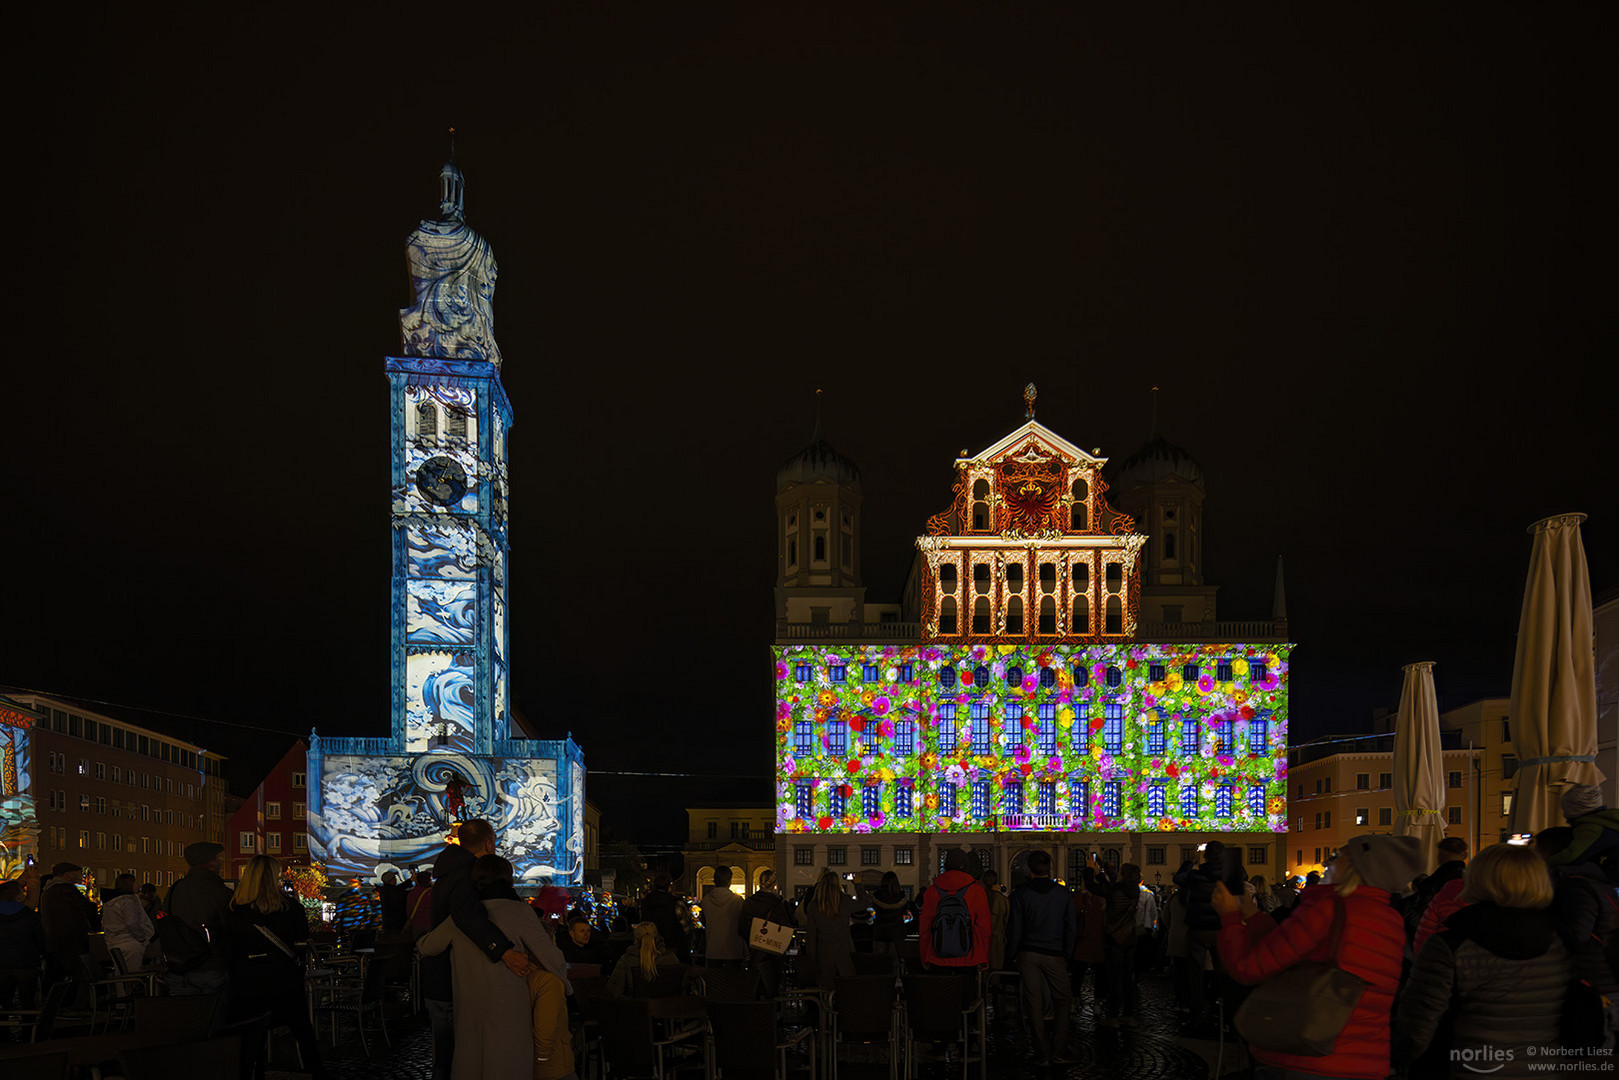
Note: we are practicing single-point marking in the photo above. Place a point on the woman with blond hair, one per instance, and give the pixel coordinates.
(646, 954)
(265, 928)
(1498, 967)
(829, 943)
(1346, 921)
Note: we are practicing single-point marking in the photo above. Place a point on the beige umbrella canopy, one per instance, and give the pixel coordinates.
(1554, 699)
(1419, 780)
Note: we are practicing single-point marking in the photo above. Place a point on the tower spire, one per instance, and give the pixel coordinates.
(1278, 604)
(1030, 392)
(816, 435)
(452, 188)
(1153, 434)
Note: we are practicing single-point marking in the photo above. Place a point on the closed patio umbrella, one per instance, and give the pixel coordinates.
(1419, 779)
(1554, 709)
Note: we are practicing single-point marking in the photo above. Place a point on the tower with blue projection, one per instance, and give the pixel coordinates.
(390, 803)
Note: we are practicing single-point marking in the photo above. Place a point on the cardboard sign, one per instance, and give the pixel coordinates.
(770, 937)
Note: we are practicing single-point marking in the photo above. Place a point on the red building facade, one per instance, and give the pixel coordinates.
(272, 820)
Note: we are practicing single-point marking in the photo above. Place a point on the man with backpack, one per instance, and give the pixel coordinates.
(193, 931)
(955, 926)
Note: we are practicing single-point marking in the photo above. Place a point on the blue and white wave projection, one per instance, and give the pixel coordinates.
(441, 613)
(441, 551)
(441, 693)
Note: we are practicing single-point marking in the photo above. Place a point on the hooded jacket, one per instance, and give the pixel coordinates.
(1584, 906)
(977, 906)
(22, 936)
(1042, 919)
(1502, 974)
(1595, 835)
(1371, 948)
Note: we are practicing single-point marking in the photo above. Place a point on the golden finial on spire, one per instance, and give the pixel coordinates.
(1029, 393)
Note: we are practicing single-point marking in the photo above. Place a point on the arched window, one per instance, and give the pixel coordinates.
(981, 579)
(455, 423)
(426, 420)
(1169, 546)
(1115, 615)
(792, 552)
(1082, 577)
(1014, 615)
(1082, 614)
(1115, 576)
(947, 578)
(1081, 515)
(981, 506)
(947, 616)
(1048, 618)
(820, 547)
(981, 618)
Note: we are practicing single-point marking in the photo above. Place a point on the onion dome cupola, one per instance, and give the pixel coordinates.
(1161, 486)
(818, 516)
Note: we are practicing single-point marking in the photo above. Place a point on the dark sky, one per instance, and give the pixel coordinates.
(1365, 253)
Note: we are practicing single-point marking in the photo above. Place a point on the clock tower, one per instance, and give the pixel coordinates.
(450, 754)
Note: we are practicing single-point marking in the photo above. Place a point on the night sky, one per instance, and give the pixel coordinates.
(1366, 254)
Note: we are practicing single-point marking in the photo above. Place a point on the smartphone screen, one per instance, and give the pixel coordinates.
(1232, 873)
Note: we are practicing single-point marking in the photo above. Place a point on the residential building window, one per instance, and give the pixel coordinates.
(101, 841)
(947, 677)
(871, 800)
(1045, 798)
(1506, 729)
(869, 673)
(1155, 672)
(1257, 671)
(101, 804)
(1385, 816)
(1455, 779)
(1259, 737)
(1327, 817)
(297, 811)
(713, 830)
(1385, 780)
(1114, 677)
(904, 856)
(1318, 855)
(1079, 798)
(804, 737)
(300, 842)
(904, 738)
(1506, 804)
(945, 732)
(803, 856)
(1155, 856)
(1157, 734)
(1222, 671)
(804, 800)
(101, 770)
(980, 728)
(1189, 800)
(868, 738)
(1223, 738)
(1318, 820)
(1081, 731)
(947, 800)
(1190, 738)
(980, 797)
(837, 737)
(1363, 781)
(297, 779)
(1329, 785)
(272, 811)
(803, 672)
(1012, 727)
(1509, 766)
(839, 673)
(84, 804)
(1157, 800)
(839, 803)
(736, 830)
(1256, 801)
(1113, 727)
(837, 856)
(1222, 801)
(1257, 856)
(1081, 675)
(1012, 797)
(871, 856)
(1363, 816)
(248, 842)
(1454, 815)
(84, 839)
(1189, 673)
(272, 843)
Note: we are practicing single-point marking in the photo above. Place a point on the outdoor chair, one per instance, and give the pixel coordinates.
(360, 1000)
(864, 1011)
(670, 982)
(746, 1042)
(730, 984)
(177, 1017)
(42, 1023)
(111, 996)
(586, 993)
(631, 1044)
(943, 1009)
(874, 964)
(211, 1058)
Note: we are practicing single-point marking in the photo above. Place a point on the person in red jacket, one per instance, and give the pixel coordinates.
(1253, 947)
(956, 880)
(1446, 902)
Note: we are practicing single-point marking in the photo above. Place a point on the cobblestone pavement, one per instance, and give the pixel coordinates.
(1153, 1050)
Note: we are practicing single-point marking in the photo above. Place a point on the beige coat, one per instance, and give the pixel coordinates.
(494, 1017)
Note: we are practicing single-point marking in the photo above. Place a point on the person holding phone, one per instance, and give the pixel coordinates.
(1202, 921)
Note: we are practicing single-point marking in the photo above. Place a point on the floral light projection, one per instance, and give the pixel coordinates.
(1141, 737)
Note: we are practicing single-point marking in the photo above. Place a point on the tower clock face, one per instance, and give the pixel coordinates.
(441, 480)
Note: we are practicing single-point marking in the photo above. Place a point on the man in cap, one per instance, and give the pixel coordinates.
(200, 901)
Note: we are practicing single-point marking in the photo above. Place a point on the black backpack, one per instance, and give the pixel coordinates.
(953, 925)
(185, 946)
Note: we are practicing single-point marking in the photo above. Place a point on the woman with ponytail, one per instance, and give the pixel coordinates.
(645, 955)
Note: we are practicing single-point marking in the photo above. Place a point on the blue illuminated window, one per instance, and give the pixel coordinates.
(804, 799)
(1081, 731)
(1079, 797)
(980, 675)
(1259, 736)
(1224, 740)
(840, 804)
(1189, 799)
(837, 737)
(905, 802)
(804, 737)
(1155, 673)
(1257, 671)
(871, 799)
(839, 673)
(1048, 678)
(1012, 726)
(947, 728)
(1256, 801)
(947, 800)
(1113, 727)
(980, 728)
(1157, 734)
(1012, 797)
(904, 738)
(1222, 671)
(1189, 673)
(802, 672)
(1045, 728)
(1190, 738)
(868, 738)
(947, 677)
(1014, 676)
(980, 805)
(906, 673)
(869, 673)
(1081, 675)
(1222, 801)
(1111, 806)
(1114, 676)
(1157, 800)
(1045, 798)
